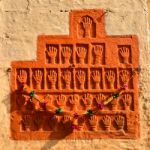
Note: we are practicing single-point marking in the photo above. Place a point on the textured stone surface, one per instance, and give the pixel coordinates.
(22, 21)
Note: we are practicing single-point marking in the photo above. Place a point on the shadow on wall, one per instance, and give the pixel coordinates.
(49, 144)
(6, 102)
(6, 98)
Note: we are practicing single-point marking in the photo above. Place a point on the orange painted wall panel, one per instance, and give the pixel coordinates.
(72, 74)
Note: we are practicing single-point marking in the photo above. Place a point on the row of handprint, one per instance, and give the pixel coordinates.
(80, 54)
(37, 122)
(75, 78)
(78, 102)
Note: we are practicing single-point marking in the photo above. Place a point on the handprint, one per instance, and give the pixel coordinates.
(66, 122)
(98, 51)
(127, 100)
(53, 122)
(110, 75)
(52, 52)
(81, 78)
(36, 104)
(26, 121)
(124, 74)
(66, 51)
(124, 51)
(107, 122)
(96, 78)
(27, 104)
(22, 100)
(61, 99)
(52, 78)
(87, 23)
(100, 98)
(73, 100)
(38, 121)
(93, 122)
(81, 52)
(38, 78)
(87, 100)
(48, 102)
(114, 104)
(22, 76)
(120, 122)
(66, 119)
(67, 78)
(81, 121)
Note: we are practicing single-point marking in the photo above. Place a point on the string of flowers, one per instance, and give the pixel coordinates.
(88, 112)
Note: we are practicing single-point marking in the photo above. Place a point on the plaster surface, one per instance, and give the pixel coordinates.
(23, 21)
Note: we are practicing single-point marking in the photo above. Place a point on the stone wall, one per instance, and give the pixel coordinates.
(21, 21)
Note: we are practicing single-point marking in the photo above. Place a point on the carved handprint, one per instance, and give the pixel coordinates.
(73, 100)
(81, 121)
(100, 98)
(66, 122)
(87, 23)
(110, 75)
(114, 104)
(55, 119)
(61, 99)
(81, 78)
(67, 78)
(87, 100)
(66, 119)
(127, 100)
(26, 121)
(38, 78)
(36, 104)
(120, 122)
(66, 51)
(98, 51)
(53, 122)
(38, 120)
(22, 100)
(96, 78)
(81, 52)
(107, 122)
(22, 76)
(48, 102)
(93, 122)
(124, 51)
(124, 74)
(52, 78)
(52, 52)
